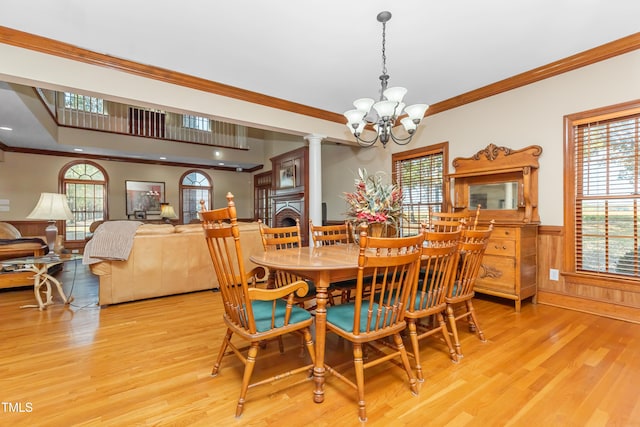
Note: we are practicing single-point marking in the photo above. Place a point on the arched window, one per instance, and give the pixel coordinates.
(195, 185)
(85, 184)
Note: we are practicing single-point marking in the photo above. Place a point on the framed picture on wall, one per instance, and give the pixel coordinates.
(288, 176)
(144, 196)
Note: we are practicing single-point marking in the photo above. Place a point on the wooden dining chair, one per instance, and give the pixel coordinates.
(329, 234)
(449, 221)
(276, 238)
(250, 313)
(471, 249)
(393, 264)
(337, 234)
(427, 302)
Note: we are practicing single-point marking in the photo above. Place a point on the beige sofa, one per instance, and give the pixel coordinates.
(166, 260)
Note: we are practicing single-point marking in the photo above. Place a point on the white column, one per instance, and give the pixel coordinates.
(315, 178)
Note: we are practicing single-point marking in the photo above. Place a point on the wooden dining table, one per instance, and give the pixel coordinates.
(323, 265)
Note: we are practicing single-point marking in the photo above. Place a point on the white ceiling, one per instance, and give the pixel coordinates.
(326, 53)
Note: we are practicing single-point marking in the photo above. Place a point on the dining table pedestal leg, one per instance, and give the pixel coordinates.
(322, 285)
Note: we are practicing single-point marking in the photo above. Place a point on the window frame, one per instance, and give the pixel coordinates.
(441, 149)
(182, 187)
(571, 199)
(196, 123)
(78, 102)
(263, 197)
(62, 188)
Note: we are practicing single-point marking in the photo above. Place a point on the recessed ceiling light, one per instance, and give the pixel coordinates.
(5, 128)
(163, 158)
(216, 153)
(78, 150)
(220, 164)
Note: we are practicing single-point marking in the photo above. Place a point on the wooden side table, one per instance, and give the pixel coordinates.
(42, 280)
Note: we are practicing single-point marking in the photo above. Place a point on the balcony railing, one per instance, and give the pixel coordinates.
(107, 116)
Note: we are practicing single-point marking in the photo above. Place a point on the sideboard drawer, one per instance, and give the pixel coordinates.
(503, 233)
(503, 247)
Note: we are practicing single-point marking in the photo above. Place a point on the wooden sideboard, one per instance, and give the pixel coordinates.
(509, 265)
(504, 182)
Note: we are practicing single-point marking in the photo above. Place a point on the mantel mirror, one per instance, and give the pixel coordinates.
(504, 182)
(500, 195)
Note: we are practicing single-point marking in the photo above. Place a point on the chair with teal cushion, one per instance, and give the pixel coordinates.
(335, 234)
(459, 299)
(285, 237)
(378, 313)
(427, 302)
(251, 313)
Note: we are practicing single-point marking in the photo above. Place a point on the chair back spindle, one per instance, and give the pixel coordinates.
(448, 221)
(329, 234)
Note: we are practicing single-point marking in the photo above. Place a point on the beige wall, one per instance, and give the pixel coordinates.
(24, 176)
(37, 69)
(516, 119)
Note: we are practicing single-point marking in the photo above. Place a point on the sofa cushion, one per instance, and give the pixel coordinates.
(189, 228)
(8, 231)
(148, 229)
(22, 247)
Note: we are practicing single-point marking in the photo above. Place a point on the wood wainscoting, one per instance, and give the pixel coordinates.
(618, 299)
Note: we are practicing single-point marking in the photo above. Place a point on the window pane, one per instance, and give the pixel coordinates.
(84, 186)
(607, 196)
(421, 179)
(191, 203)
(84, 103)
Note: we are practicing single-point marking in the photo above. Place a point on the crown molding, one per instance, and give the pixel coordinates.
(53, 47)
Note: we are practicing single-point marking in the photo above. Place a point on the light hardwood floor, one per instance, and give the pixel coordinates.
(149, 363)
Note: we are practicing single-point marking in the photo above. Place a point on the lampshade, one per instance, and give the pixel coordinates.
(395, 94)
(52, 207)
(385, 108)
(416, 111)
(167, 211)
(354, 116)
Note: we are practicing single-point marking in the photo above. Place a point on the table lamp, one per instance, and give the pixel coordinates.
(52, 207)
(167, 212)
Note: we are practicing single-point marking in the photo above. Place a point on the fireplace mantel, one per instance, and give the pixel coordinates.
(290, 180)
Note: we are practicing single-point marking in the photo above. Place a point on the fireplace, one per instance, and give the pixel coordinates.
(289, 208)
(289, 178)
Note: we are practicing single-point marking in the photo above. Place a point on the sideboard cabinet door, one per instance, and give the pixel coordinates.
(509, 266)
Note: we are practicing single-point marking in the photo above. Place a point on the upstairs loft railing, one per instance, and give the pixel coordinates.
(86, 112)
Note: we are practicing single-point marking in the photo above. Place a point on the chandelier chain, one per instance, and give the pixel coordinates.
(384, 50)
(381, 116)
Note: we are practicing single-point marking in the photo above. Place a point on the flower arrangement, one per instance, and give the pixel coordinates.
(373, 201)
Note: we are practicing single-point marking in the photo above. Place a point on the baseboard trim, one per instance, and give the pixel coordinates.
(600, 308)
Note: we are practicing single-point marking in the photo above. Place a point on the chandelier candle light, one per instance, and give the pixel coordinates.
(387, 110)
